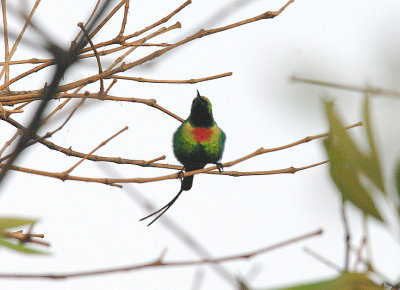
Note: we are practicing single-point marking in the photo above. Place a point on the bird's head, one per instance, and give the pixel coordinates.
(201, 112)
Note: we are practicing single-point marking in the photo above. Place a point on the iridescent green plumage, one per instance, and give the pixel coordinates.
(196, 142)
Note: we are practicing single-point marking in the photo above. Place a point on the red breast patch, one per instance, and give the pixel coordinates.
(201, 134)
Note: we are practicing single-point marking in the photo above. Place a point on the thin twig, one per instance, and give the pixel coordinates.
(51, 133)
(114, 81)
(359, 253)
(379, 274)
(6, 51)
(160, 263)
(347, 237)
(9, 142)
(73, 43)
(157, 53)
(189, 81)
(20, 236)
(290, 170)
(17, 41)
(124, 19)
(48, 62)
(80, 24)
(59, 107)
(117, 181)
(371, 90)
(63, 59)
(161, 21)
(142, 41)
(105, 20)
(67, 172)
(146, 163)
(323, 260)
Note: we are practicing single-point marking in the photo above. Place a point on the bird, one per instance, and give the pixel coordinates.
(197, 142)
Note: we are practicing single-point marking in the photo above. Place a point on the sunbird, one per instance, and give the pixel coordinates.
(196, 142)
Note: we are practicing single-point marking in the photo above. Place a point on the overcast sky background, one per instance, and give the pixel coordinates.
(92, 226)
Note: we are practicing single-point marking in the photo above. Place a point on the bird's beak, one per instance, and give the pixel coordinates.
(198, 94)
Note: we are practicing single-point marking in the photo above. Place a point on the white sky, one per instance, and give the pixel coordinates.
(93, 226)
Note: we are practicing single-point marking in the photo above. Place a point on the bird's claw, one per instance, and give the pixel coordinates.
(181, 173)
(220, 167)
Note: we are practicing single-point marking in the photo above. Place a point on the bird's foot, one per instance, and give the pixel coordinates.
(220, 167)
(181, 173)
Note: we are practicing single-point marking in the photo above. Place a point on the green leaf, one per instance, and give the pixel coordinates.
(346, 281)
(347, 163)
(371, 167)
(6, 223)
(19, 247)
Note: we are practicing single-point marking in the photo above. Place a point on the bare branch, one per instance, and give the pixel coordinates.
(80, 24)
(67, 172)
(161, 21)
(6, 51)
(9, 142)
(321, 259)
(17, 41)
(365, 89)
(160, 263)
(189, 81)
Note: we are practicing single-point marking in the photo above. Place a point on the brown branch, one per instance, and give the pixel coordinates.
(159, 22)
(157, 53)
(113, 181)
(26, 73)
(124, 19)
(25, 238)
(50, 134)
(291, 170)
(67, 172)
(114, 81)
(48, 62)
(142, 41)
(80, 24)
(189, 81)
(116, 181)
(160, 263)
(73, 42)
(366, 89)
(17, 41)
(6, 51)
(70, 152)
(108, 17)
(124, 67)
(127, 44)
(59, 107)
(35, 96)
(9, 142)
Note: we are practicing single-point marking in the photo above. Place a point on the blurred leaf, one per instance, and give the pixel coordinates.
(6, 223)
(19, 247)
(346, 281)
(372, 167)
(347, 163)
